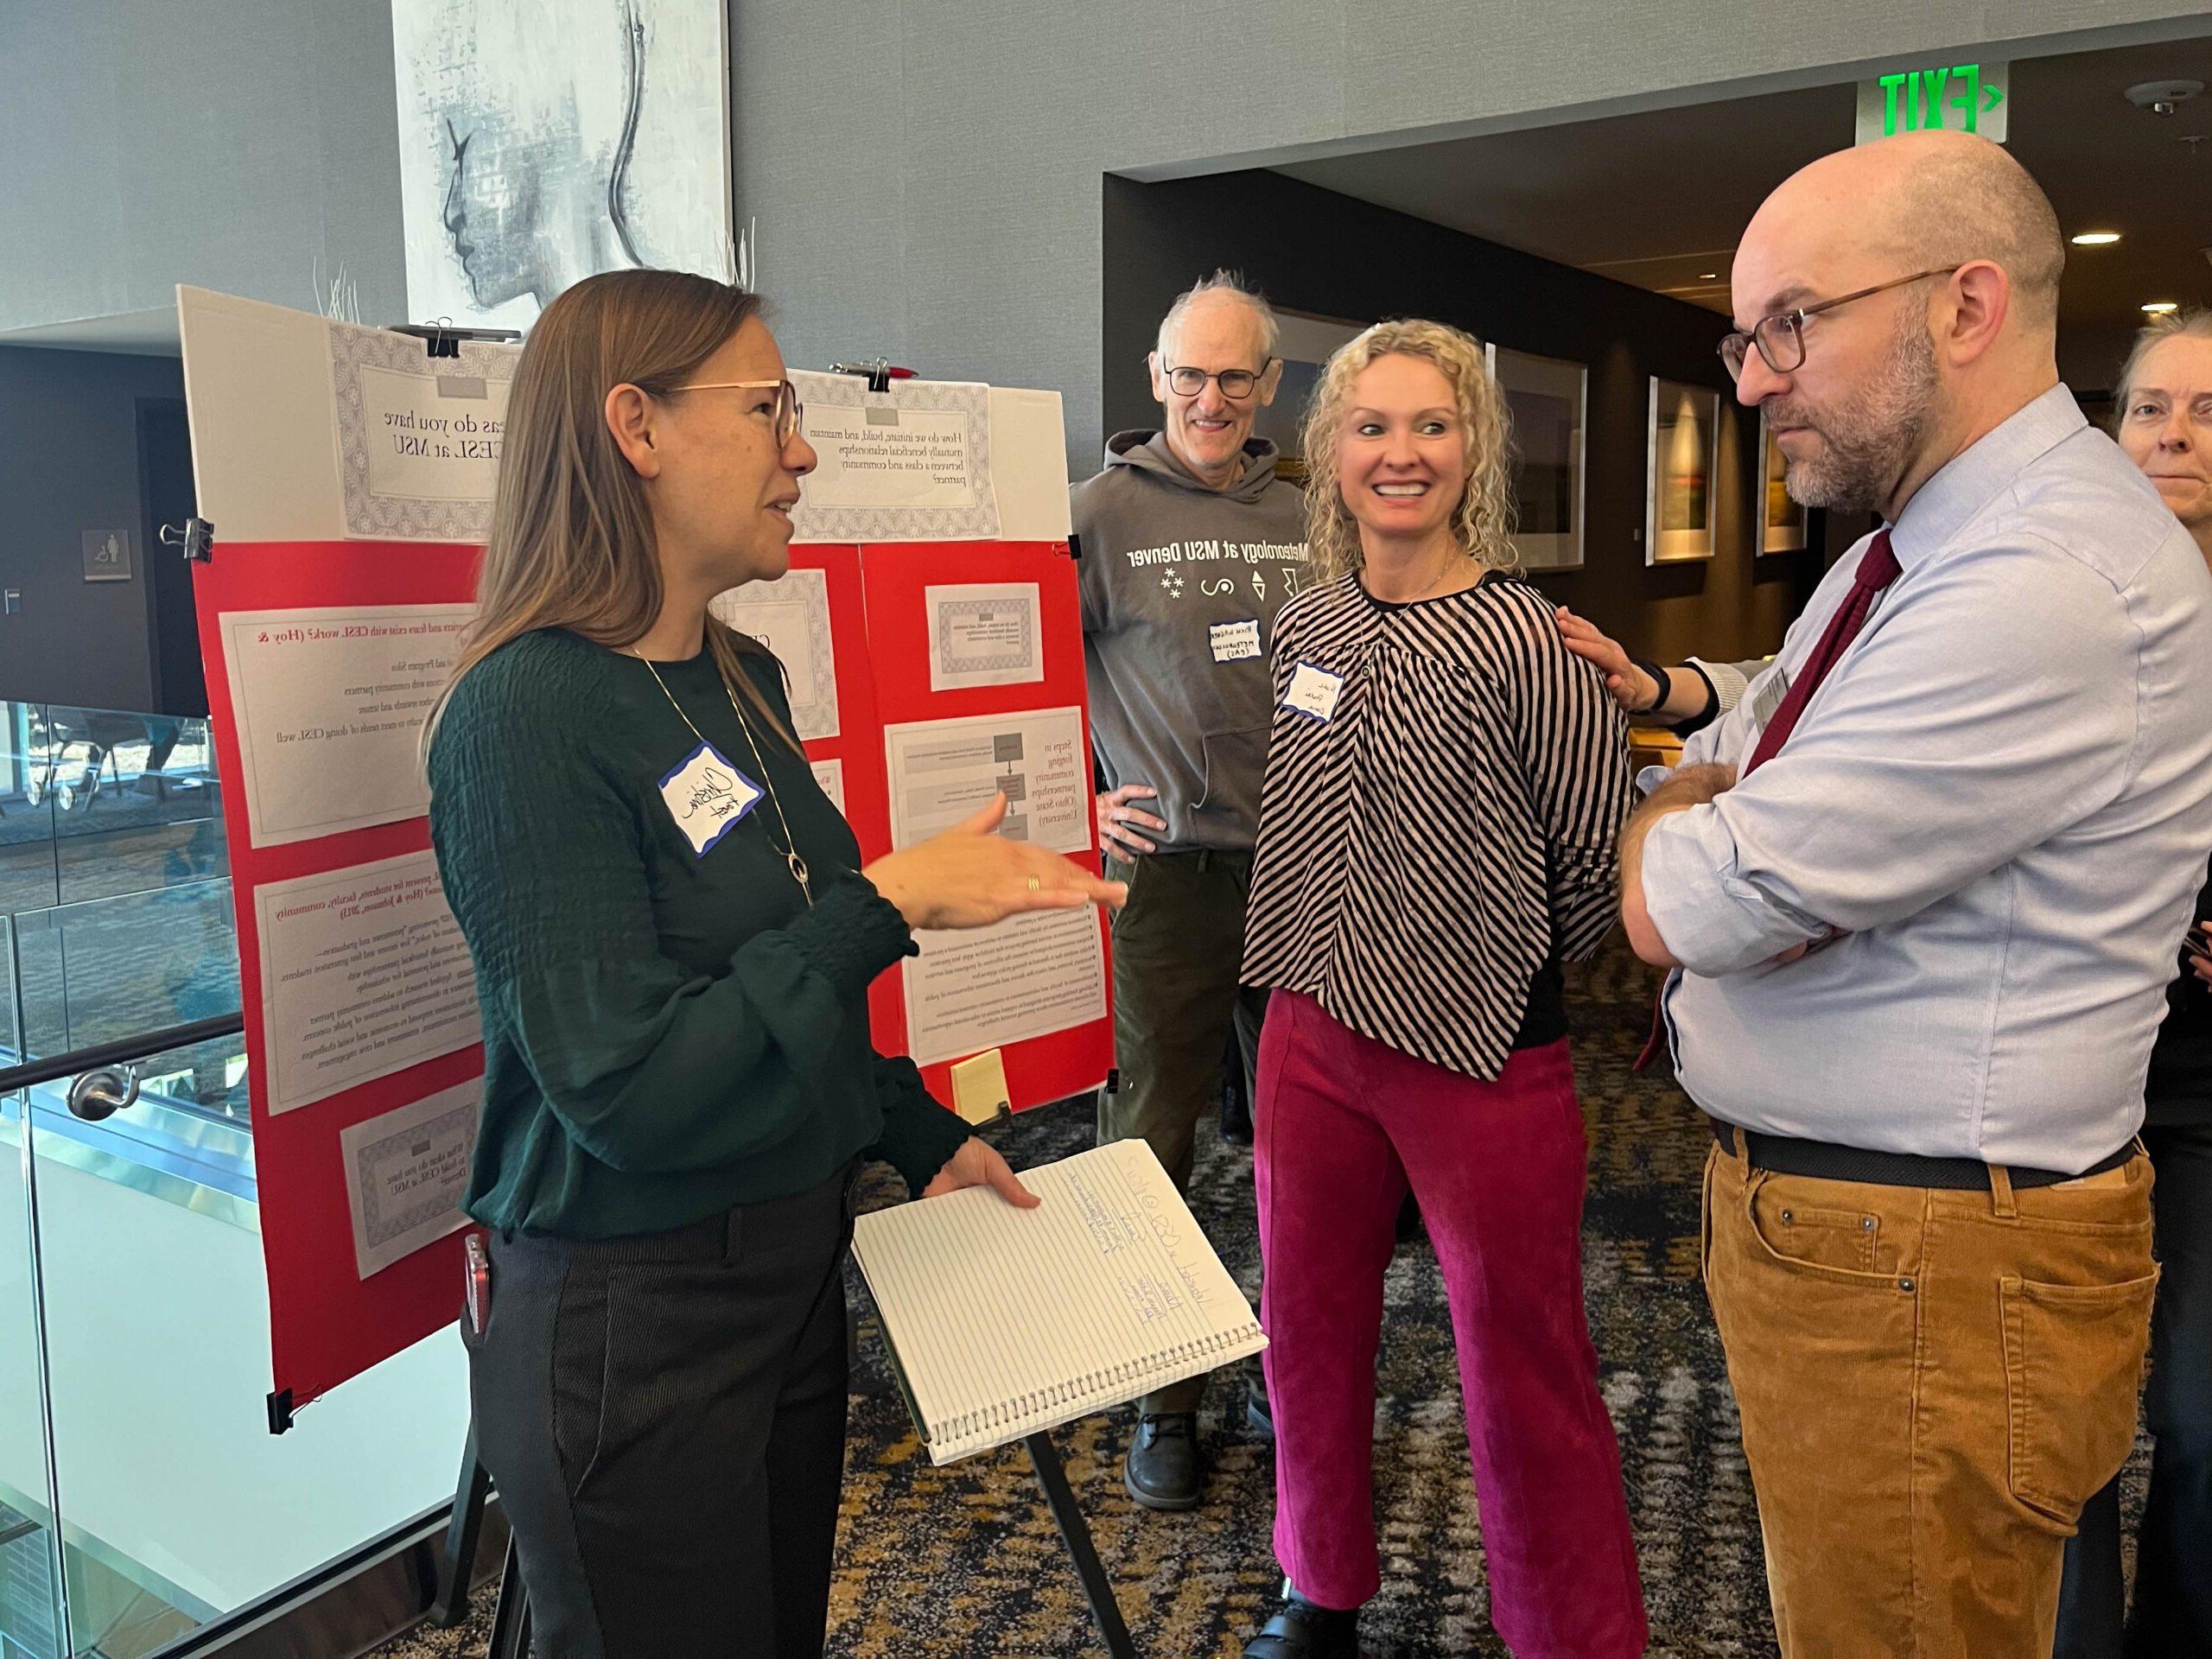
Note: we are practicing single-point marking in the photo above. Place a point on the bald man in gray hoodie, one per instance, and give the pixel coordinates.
(1191, 543)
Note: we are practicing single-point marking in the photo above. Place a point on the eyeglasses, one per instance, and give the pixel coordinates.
(1781, 338)
(789, 411)
(1236, 384)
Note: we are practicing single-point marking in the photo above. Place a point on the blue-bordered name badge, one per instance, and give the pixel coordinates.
(1314, 692)
(707, 797)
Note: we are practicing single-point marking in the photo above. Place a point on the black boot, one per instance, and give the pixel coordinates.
(1302, 1631)
(1162, 1470)
(1259, 1409)
(1235, 1107)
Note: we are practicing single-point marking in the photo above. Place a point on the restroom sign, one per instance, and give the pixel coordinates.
(1953, 97)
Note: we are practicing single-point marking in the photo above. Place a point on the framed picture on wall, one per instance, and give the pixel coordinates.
(1781, 520)
(1307, 344)
(1678, 493)
(1548, 397)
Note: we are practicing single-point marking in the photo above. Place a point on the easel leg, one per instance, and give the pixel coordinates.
(1075, 1533)
(451, 1606)
(511, 1620)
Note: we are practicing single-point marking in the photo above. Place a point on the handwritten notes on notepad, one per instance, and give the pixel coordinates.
(1003, 1322)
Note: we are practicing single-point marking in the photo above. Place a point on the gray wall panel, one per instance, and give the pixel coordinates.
(925, 173)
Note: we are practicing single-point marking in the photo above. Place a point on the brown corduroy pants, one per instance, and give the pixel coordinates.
(1932, 1383)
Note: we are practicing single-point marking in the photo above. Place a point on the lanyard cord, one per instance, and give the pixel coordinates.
(790, 848)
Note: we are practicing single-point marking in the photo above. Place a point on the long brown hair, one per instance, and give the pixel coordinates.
(571, 544)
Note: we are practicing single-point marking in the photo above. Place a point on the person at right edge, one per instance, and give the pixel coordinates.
(1191, 543)
(2163, 424)
(1922, 909)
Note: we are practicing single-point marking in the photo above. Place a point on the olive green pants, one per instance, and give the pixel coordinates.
(1178, 944)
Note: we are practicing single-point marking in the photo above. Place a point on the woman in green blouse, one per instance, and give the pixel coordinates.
(673, 938)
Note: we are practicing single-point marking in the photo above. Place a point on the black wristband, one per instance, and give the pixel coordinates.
(1660, 678)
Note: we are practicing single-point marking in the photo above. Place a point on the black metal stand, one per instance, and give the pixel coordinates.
(510, 1615)
(511, 1620)
(462, 1532)
(1075, 1533)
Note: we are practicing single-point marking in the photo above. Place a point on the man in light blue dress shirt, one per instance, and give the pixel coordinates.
(1923, 940)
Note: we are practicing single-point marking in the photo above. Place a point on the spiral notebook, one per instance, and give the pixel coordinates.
(1003, 1322)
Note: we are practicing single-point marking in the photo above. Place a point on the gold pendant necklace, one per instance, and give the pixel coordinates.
(790, 848)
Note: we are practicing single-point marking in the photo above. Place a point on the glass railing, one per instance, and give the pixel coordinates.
(134, 1332)
(97, 801)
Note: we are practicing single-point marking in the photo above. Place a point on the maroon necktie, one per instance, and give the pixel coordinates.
(1877, 568)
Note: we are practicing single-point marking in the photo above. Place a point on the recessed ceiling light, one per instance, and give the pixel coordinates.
(2096, 238)
(2159, 307)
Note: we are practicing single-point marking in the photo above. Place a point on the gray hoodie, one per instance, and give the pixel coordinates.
(1180, 587)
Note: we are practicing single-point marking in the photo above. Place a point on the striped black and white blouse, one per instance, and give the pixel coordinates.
(1445, 790)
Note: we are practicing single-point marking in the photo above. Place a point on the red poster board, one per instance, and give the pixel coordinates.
(327, 1323)
(1038, 1070)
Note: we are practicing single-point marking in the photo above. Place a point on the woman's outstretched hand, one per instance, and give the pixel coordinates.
(969, 877)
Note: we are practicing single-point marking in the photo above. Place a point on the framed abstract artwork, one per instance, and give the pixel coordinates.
(1548, 398)
(1685, 424)
(1782, 521)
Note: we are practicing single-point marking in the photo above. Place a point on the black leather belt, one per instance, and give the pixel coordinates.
(1784, 1155)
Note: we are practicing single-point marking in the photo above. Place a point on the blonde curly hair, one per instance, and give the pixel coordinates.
(1482, 523)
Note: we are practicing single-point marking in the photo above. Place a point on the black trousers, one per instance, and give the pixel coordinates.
(2173, 1615)
(664, 1418)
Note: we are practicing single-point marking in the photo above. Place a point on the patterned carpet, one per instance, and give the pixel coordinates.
(965, 1561)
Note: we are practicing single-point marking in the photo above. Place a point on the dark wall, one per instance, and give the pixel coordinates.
(1311, 250)
(69, 463)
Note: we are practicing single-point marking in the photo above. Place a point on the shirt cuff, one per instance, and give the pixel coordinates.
(1710, 917)
(851, 933)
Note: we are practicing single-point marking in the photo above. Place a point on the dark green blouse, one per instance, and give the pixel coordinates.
(666, 1034)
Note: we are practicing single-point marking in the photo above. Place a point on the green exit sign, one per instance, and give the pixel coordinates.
(1946, 97)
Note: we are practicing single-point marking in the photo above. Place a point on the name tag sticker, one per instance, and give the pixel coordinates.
(1233, 642)
(707, 797)
(1314, 692)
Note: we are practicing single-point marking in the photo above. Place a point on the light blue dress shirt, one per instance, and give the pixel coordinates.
(2001, 799)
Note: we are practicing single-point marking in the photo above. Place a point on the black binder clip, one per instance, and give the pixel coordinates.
(443, 339)
(878, 372)
(194, 536)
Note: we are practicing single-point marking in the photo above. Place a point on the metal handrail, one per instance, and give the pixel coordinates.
(123, 1051)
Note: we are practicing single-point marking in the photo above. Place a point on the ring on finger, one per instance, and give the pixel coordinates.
(1035, 883)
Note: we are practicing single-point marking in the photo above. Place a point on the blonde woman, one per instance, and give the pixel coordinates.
(1445, 785)
(673, 938)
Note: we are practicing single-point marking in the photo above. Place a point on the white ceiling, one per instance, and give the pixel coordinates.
(1658, 198)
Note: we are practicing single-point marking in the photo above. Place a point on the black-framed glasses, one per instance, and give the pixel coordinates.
(1781, 338)
(788, 413)
(1236, 385)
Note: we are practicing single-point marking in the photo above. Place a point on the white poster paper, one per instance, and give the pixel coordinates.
(790, 616)
(942, 771)
(830, 774)
(885, 456)
(419, 438)
(985, 633)
(1025, 976)
(909, 464)
(364, 972)
(330, 705)
(406, 1172)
